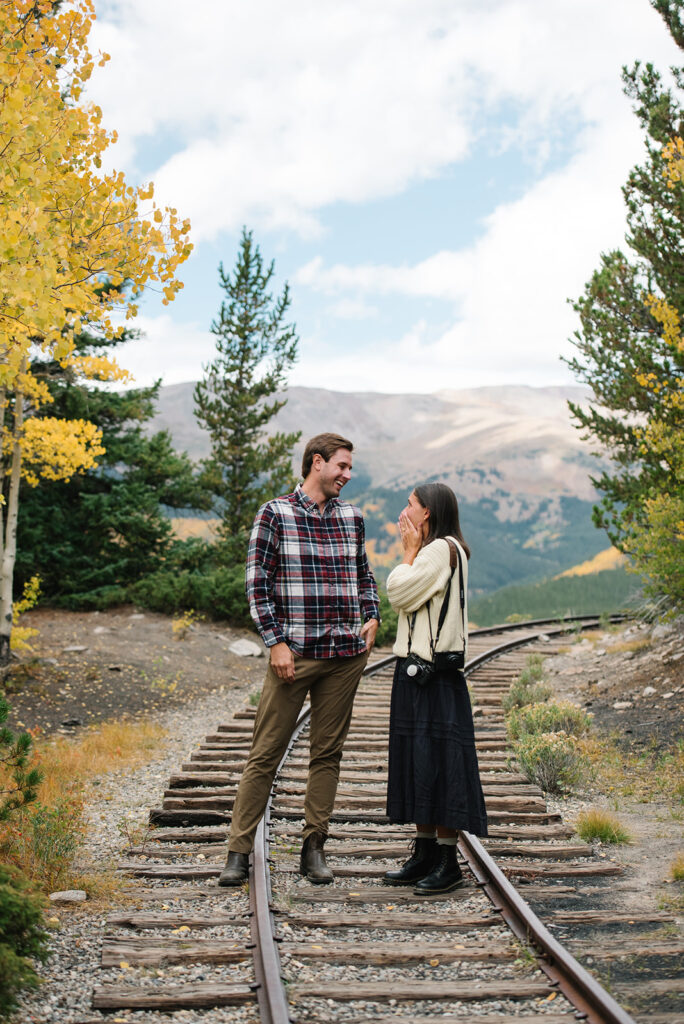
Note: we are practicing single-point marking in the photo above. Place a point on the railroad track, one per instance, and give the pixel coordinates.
(358, 950)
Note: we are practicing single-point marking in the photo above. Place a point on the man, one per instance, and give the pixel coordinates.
(307, 581)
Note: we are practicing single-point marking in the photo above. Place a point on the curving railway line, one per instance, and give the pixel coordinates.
(506, 947)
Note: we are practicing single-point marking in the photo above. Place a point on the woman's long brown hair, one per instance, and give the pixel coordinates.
(441, 503)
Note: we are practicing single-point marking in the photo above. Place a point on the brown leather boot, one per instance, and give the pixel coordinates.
(236, 870)
(312, 862)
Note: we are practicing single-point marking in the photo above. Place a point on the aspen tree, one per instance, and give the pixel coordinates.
(66, 229)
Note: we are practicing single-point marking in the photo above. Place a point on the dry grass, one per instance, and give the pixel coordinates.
(625, 646)
(651, 775)
(103, 887)
(599, 824)
(42, 839)
(73, 763)
(677, 868)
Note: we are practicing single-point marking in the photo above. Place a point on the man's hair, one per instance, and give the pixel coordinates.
(324, 445)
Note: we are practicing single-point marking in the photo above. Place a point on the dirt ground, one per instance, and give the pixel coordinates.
(87, 667)
(631, 680)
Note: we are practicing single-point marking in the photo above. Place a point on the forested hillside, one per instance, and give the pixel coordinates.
(520, 471)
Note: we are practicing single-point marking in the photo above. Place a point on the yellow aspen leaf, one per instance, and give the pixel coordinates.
(65, 226)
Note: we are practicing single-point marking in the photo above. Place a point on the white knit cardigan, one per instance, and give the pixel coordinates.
(421, 586)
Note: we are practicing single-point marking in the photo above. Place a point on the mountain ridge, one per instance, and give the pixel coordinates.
(513, 440)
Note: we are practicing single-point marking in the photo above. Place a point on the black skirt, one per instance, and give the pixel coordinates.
(433, 772)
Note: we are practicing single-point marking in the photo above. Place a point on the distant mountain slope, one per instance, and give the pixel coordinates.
(518, 466)
(609, 591)
(513, 441)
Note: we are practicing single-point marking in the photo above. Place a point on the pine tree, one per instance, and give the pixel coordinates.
(88, 538)
(629, 349)
(234, 401)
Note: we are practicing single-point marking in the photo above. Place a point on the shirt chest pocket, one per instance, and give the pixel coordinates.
(342, 561)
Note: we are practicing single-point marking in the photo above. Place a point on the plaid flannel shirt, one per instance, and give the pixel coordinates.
(308, 578)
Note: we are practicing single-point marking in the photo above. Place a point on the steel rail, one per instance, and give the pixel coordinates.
(510, 645)
(591, 1001)
(585, 993)
(505, 627)
(270, 990)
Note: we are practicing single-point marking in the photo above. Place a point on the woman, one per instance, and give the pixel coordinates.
(433, 772)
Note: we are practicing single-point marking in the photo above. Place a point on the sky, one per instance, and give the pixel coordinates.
(434, 178)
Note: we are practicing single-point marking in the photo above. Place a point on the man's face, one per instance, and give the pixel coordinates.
(335, 473)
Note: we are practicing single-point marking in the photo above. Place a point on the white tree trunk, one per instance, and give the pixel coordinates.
(9, 548)
(3, 406)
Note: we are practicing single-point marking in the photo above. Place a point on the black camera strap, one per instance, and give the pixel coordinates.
(454, 559)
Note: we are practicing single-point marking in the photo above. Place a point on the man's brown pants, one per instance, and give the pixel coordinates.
(332, 684)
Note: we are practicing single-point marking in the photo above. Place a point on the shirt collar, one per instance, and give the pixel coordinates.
(310, 505)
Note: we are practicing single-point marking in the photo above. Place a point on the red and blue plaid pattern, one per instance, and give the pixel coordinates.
(308, 580)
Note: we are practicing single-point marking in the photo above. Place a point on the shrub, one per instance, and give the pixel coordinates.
(528, 687)
(521, 694)
(677, 869)
(18, 779)
(533, 671)
(553, 760)
(21, 936)
(97, 600)
(22, 635)
(602, 825)
(388, 622)
(218, 593)
(182, 625)
(44, 841)
(549, 717)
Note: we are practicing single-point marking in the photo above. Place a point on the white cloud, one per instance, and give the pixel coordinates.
(509, 290)
(351, 309)
(418, 362)
(266, 114)
(277, 110)
(167, 349)
(445, 275)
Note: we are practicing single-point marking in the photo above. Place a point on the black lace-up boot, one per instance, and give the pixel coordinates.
(445, 877)
(312, 862)
(424, 859)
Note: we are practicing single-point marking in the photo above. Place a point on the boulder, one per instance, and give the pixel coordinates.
(69, 896)
(246, 649)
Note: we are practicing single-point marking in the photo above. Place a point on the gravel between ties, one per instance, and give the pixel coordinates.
(125, 799)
